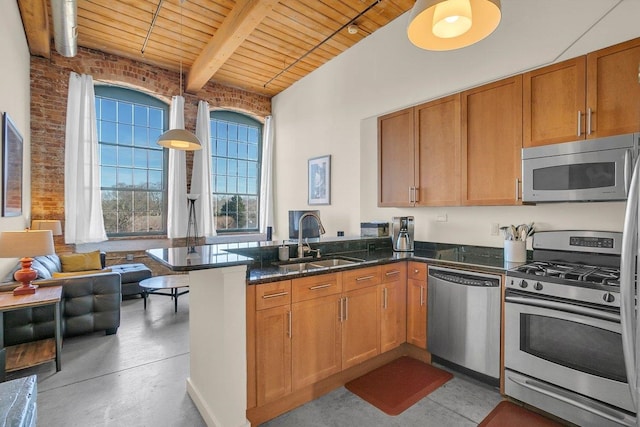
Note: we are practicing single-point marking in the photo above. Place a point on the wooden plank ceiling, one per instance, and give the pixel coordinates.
(262, 46)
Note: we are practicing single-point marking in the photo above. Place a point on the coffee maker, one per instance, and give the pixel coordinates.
(402, 233)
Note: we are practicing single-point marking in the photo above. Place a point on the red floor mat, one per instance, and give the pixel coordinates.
(396, 386)
(508, 414)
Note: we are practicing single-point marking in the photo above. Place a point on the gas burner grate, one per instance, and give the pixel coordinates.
(572, 272)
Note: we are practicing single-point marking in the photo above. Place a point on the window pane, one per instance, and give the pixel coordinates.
(235, 147)
(128, 119)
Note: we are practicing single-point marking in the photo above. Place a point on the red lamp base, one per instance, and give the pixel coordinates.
(25, 275)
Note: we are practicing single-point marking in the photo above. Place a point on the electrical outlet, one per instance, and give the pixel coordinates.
(495, 229)
(129, 257)
(441, 218)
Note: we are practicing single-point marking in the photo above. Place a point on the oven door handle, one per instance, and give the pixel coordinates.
(557, 305)
(543, 389)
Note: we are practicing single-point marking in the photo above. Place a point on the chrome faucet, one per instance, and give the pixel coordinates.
(301, 248)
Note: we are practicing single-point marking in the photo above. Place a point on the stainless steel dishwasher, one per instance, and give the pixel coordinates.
(464, 320)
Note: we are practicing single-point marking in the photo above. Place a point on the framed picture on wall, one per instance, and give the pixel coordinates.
(320, 180)
(11, 168)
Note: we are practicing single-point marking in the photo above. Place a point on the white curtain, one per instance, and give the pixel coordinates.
(201, 173)
(266, 177)
(177, 215)
(84, 222)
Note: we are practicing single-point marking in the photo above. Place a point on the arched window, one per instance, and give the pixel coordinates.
(132, 166)
(236, 151)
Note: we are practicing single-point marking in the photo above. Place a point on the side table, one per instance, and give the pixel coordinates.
(33, 353)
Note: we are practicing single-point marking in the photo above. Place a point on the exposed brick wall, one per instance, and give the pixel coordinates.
(49, 86)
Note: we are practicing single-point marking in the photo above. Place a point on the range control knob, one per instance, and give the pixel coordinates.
(609, 297)
(537, 286)
(523, 284)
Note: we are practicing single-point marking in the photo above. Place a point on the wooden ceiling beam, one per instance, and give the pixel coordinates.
(245, 16)
(35, 19)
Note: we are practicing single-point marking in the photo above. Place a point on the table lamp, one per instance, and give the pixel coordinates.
(24, 245)
(47, 224)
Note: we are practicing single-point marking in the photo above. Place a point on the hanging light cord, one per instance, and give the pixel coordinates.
(323, 42)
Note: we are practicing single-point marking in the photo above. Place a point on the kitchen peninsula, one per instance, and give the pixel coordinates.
(219, 275)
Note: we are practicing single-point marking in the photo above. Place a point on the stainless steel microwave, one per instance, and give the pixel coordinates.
(590, 170)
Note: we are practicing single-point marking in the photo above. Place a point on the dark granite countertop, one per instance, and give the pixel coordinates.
(261, 257)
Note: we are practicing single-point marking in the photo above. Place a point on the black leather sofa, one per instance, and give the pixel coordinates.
(90, 303)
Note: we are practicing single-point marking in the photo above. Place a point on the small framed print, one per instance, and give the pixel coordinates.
(11, 168)
(320, 180)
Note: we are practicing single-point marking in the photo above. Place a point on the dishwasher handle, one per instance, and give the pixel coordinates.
(466, 279)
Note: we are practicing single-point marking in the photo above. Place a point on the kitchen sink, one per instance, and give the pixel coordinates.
(317, 264)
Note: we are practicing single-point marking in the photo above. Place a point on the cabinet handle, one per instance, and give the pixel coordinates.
(421, 296)
(517, 189)
(589, 114)
(384, 305)
(415, 194)
(316, 287)
(289, 315)
(392, 273)
(346, 308)
(279, 294)
(410, 194)
(358, 279)
(579, 123)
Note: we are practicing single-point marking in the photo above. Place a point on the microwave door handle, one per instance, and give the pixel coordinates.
(628, 169)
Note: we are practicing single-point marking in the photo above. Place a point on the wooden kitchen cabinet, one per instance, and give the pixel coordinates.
(396, 158)
(438, 152)
(590, 96)
(492, 143)
(419, 155)
(393, 306)
(316, 330)
(273, 341)
(417, 304)
(360, 315)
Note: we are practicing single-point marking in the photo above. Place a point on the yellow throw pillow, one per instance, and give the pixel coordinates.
(81, 262)
(79, 273)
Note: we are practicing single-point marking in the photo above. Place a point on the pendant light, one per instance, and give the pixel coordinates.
(180, 139)
(452, 24)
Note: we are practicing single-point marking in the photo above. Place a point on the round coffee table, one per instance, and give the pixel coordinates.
(173, 282)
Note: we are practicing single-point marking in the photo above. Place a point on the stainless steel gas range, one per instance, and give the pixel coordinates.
(563, 344)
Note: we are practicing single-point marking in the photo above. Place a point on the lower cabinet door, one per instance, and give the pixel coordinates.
(393, 330)
(273, 353)
(316, 340)
(417, 313)
(360, 326)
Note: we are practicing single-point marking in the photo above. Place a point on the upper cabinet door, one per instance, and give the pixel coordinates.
(554, 103)
(396, 159)
(491, 143)
(438, 152)
(613, 90)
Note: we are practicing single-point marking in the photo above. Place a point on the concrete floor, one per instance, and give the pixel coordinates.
(138, 378)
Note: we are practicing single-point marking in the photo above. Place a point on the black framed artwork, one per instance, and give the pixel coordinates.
(12, 155)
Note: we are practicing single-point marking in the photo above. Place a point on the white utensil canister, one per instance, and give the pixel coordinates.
(283, 253)
(515, 250)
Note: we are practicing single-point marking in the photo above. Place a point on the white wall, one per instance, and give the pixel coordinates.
(333, 111)
(15, 99)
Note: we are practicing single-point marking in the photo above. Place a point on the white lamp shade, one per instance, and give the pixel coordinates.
(429, 17)
(47, 224)
(179, 139)
(27, 243)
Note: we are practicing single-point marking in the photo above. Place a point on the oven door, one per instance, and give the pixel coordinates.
(576, 348)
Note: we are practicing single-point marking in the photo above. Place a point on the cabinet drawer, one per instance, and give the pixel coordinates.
(360, 278)
(417, 271)
(311, 287)
(273, 294)
(393, 272)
